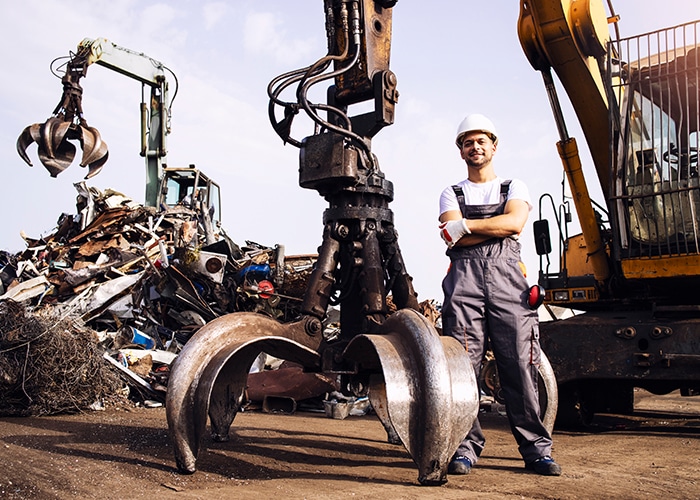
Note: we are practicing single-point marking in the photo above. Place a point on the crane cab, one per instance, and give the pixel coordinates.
(657, 198)
(189, 186)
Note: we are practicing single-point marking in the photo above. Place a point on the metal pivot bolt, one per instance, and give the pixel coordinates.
(628, 332)
(659, 332)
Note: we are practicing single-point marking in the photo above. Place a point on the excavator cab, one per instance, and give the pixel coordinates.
(658, 188)
(648, 231)
(190, 187)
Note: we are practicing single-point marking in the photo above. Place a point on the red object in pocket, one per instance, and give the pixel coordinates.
(535, 296)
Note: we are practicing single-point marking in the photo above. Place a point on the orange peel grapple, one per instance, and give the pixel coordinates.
(53, 137)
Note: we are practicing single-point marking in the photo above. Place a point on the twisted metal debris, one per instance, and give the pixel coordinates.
(50, 363)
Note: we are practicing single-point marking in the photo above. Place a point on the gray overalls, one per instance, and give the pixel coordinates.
(486, 298)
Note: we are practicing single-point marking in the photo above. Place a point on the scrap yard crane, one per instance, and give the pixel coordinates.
(165, 186)
(634, 269)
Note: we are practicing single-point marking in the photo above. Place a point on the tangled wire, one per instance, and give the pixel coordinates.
(50, 364)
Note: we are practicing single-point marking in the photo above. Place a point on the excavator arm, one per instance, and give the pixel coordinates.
(570, 37)
(129, 63)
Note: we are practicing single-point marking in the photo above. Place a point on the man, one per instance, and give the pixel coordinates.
(486, 293)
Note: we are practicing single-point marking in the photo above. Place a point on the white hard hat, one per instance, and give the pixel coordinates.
(476, 123)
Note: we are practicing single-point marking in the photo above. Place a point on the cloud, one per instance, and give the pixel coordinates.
(161, 12)
(164, 17)
(213, 13)
(263, 35)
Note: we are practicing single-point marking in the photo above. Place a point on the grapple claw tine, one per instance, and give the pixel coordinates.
(35, 131)
(60, 134)
(209, 376)
(96, 166)
(94, 149)
(48, 128)
(429, 397)
(28, 135)
(61, 159)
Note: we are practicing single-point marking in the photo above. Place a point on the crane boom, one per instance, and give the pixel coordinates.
(570, 37)
(136, 65)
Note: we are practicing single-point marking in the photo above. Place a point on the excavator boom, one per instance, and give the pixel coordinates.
(570, 38)
(136, 65)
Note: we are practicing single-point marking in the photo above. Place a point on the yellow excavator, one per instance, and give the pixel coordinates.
(632, 275)
(55, 138)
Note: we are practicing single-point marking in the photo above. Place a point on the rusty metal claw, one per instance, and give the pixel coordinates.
(210, 373)
(30, 134)
(95, 153)
(66, 124)
(96, 166)
(60, 159)
(55, 152)
(55, 149)
(422, 385)
(93, 147)
(53, 133)
(423, 388)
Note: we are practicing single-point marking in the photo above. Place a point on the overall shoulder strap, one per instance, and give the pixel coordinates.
(460, 199)
(505, 186)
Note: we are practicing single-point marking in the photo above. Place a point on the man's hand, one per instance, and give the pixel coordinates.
(452, 230)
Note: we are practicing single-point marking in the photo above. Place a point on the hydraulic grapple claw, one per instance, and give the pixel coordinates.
(53, 133)
(53, 137)
(30, 134)
(422, 385)
(209, 376)
(55, 153)
(55, 149)
(95, 152)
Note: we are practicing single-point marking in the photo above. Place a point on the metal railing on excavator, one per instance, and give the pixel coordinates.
(656, 184)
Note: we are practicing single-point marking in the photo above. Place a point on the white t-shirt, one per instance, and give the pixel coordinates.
(485, 193)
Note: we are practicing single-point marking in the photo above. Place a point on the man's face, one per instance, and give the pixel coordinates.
(477, 149)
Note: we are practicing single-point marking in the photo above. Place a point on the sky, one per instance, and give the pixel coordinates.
(450, 58)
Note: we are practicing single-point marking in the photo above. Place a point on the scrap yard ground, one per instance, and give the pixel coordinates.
(125, 453)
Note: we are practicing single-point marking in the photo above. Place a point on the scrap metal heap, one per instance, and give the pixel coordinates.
(421, 385)
(127, 280)
(50, 363)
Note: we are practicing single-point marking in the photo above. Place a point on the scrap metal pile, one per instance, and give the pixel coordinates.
(50, 364)
(131, 284)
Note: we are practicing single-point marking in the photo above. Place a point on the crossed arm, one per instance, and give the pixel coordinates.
(510, 223)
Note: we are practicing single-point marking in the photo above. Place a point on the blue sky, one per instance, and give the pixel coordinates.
(451, 59)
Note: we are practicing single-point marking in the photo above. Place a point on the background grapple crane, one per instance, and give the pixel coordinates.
(421, 385)
(67, 125)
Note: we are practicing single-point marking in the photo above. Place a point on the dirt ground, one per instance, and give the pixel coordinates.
(125, 453)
